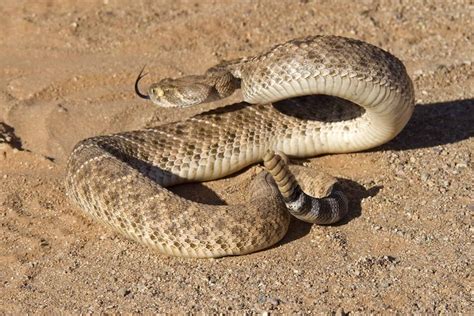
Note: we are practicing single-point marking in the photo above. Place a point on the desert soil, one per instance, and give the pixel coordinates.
(66, 72)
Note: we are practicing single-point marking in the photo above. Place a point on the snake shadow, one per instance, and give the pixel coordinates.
(197, 192)
(435, 124)
(432, 124)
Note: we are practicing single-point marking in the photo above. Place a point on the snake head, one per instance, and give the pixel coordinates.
(182, 92)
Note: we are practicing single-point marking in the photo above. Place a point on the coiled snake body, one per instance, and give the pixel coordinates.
(120, 179)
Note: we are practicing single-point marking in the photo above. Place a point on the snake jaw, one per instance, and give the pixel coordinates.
(137, 90)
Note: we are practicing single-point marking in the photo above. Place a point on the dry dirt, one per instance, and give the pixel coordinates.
(67, 71)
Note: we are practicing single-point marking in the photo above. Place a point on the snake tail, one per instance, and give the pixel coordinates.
(326, 210)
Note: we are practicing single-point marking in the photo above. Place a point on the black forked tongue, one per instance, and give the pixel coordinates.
(137, 90)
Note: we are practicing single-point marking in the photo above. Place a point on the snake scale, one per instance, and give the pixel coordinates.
(121, 179)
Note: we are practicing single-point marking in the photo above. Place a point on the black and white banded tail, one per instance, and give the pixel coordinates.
(326, 210)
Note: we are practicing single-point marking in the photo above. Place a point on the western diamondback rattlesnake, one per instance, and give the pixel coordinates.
(120, 179)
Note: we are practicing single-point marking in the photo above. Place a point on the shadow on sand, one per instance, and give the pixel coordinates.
(435, 124)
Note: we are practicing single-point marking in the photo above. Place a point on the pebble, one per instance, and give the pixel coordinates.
(124, 292)
(424, 176)
(273, 301)
(418, 72)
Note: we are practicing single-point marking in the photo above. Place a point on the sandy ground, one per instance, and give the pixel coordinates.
(66, 72)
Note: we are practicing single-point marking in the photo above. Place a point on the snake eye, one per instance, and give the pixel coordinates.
(158, 92)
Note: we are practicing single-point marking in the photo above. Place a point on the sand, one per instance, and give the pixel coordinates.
(66, 72)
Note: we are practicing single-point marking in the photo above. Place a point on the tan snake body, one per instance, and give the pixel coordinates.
(120, 179)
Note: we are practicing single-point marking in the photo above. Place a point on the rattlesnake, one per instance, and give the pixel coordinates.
(120, 179)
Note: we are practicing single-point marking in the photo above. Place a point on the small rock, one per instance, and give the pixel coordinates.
(445, 183)
(124, 292)
(424, 176)
(418, 72)
(273, 301)
(211, 279)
